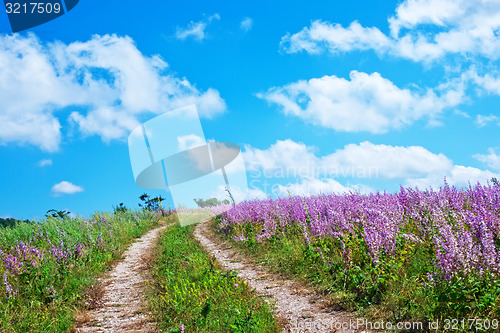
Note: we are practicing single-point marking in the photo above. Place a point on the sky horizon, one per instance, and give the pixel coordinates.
(321, 96)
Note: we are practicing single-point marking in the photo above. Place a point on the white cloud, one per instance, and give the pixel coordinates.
(65, 187)
(246, 24)
(492, 160)
(459, 176)
(411, 13)
(365, 102)
(282, 154)
(387, 161)
(44, 162)
(256, 194)
(487, 82)
(482, 121)
(189, 141)
(108, 122)
(412, 166)
(334, 38)
(29, 90)
(461, 27)
(365, 160)
(195, 30)
(106, 82)
(214, 17)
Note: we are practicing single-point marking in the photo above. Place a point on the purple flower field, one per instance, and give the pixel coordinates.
(435, 237)
(463, 225)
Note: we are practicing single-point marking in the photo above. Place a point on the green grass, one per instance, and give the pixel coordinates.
(192, 216)
(48, 269)
(398, 289)
(192, 293)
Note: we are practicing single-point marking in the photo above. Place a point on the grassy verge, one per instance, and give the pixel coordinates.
(398, 289)
(48, 269)
(192, 294)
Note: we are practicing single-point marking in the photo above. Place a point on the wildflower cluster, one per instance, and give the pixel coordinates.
(446, 240)
(462, 225)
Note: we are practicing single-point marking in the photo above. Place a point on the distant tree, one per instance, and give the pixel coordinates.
(10, 222)
(210, 202)
(120, 208)
(58, 214)
(149, 203)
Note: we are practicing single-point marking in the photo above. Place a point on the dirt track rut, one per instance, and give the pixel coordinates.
(122, 307)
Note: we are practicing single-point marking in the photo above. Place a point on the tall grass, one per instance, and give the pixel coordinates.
(48, 268)
(192, 293)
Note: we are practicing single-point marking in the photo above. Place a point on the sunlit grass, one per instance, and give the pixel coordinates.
(47, 268)
(191, 293)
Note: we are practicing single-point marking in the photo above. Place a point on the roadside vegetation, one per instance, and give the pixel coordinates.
(410, 256)
(49, 268)
(191, 293)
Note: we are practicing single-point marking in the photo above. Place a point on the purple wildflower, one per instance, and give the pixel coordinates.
(8, 288)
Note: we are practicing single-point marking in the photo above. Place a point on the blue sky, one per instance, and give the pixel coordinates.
(321, 95)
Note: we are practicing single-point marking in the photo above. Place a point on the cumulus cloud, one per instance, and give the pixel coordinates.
(492, 160)
(106, 83)
(458, 175)
(279, 156)
(246, 24)
(195, 30)
(189, 141)
(364, 102)
(335, 38)
(388, 161)
(488, 82)
(44, 162)
(312, 173)
(65, 187)
(288, 158)
(460, 27)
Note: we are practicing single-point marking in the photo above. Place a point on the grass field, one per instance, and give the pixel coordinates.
(49, 269)
(410, 256)
(191, 293)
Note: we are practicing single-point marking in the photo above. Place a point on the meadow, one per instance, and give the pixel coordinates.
(408, 256)
(412, 255)
(191, 293)
(49, 268)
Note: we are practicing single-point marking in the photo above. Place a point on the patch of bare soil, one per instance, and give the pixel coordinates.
(300, 308)
(119, 306)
